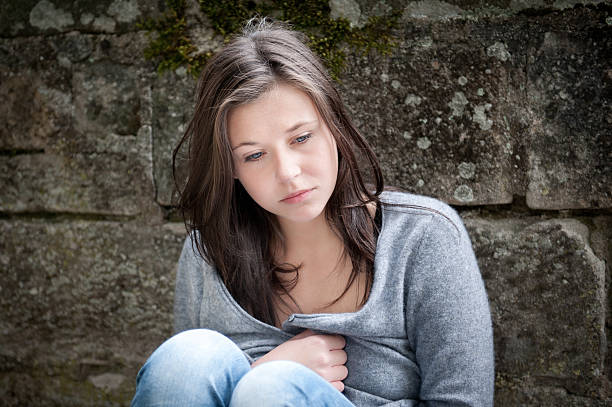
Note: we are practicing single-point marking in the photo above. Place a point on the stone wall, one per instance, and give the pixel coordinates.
(501, 109)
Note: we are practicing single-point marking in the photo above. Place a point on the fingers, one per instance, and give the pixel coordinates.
(338, 385)
(337, 357)
(334, 373)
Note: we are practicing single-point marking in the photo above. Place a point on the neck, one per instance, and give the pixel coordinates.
(304, 243)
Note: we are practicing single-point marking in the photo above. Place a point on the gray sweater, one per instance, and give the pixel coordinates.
(424, 335)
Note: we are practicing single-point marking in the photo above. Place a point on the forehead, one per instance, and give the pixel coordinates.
(272, 114)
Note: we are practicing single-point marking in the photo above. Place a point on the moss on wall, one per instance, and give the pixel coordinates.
(328, 37)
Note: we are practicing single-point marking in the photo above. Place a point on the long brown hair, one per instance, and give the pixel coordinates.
(229, 229)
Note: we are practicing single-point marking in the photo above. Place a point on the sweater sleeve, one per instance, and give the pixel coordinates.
(188, 289)
(448, 320)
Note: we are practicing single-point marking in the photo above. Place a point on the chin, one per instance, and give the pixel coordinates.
(303, 216)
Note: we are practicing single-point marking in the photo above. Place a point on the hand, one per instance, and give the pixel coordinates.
(322, 353)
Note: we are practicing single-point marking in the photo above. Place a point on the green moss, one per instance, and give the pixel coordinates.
(170, 44)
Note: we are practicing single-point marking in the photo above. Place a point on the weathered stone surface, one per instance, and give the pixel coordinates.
(77, 132)
(36, 93)
(433, 9)
(568, 95)
(82, 305)
(107, 99)
(555, 106)
(33, 112)
(547, 297)
(112, 184)
(528, 393)
(601, 242)
(32, 17)
(521, 102)
(347, 9)
(437, 124)
(173, 103)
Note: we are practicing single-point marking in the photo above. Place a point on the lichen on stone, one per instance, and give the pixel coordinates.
(412, 100)
(124, 11)
(481, 118)
(499, 51)
(45, 15)
(423, 143)
(464, 193)
(457, 104)
(467, 170)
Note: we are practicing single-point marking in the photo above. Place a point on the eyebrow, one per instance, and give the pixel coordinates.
(289, 130)
(300, 124)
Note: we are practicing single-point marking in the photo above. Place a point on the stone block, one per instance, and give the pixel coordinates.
(568, 95)
(437, 122)
(89, 183)
(34, 17)
(37, 95)
(77, 136)
(547, 296)
(83, 304)
(33, 112)
(528, 393)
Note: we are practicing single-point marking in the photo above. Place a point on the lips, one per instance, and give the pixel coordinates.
(297, 196)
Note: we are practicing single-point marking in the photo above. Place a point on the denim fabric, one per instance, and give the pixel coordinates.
(201, 367)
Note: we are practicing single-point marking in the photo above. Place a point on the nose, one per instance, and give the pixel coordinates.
(287, 166)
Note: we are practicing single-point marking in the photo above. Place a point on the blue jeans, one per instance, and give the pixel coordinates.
(204, 368)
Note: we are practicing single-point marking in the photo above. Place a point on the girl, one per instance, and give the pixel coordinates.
(298, 285)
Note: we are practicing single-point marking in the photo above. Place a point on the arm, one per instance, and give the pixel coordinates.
(448, 320)
(188, 289)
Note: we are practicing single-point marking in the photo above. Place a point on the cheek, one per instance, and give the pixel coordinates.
(254, 184)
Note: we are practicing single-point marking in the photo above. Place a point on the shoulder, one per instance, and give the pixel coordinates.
(191, 259)
(414, 209)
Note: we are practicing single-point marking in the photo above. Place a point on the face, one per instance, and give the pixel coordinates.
(284, 154)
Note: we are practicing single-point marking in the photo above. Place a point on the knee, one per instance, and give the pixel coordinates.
(193, 350)
(273, 383)
(194, 365)
(280, 369)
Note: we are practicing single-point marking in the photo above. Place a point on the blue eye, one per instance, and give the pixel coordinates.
(253, 157)
(302, 139)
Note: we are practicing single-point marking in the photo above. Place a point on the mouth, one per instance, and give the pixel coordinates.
(297, 196)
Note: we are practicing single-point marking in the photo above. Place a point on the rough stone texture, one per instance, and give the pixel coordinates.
(601, 242)
(428, 114)
(347, 9)
(112, 184)
(173, 96)
(84, 144)
(547, 297)
(32, 17)
(529, 112)
(480, 104)
(69, 334)
(568, 94)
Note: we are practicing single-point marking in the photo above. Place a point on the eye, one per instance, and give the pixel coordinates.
(303, 138)
(253, 157)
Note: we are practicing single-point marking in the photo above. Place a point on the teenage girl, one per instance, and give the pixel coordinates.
(298, 284)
